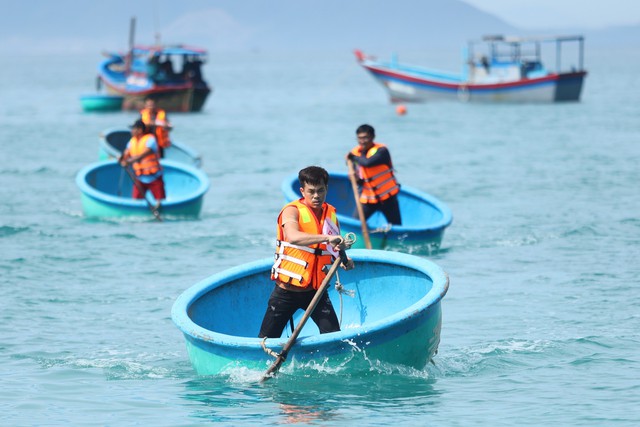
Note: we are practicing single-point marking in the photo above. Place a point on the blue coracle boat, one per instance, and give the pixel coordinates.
(114, 141)
(106, 191)
(424, 218)
(99, 102)
(394, 317)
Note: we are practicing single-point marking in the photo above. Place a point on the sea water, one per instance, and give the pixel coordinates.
(540, 324)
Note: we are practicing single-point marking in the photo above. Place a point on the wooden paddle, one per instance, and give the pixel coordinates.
(152, 208)
(273, 369)
(356, 195)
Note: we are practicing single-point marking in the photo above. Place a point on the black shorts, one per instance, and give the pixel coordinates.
(283, 304)
(389, 208)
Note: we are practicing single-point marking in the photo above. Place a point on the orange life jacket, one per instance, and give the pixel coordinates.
(149, 164)
(157, 123)
(379, 182)
(304, 266)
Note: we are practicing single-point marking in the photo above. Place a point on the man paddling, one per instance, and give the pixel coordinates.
(308, 240)
(157, 123)
(375, 173)
(142, 153)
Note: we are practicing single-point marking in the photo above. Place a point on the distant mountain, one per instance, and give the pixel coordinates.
(235, 25)
(45, 25)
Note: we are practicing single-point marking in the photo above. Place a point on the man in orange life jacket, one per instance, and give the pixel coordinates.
(375, 173)
(308, 236)
(142, 153)
(157, 123)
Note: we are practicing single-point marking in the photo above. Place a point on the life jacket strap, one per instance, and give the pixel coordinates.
(379, 174)
(275, 271)
(316, 251)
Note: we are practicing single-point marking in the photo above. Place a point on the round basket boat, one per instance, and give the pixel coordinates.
(394, 316)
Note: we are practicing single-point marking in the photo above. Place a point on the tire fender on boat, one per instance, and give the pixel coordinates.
(463, 93)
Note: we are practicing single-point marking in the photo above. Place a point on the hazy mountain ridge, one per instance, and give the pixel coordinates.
(373, 25)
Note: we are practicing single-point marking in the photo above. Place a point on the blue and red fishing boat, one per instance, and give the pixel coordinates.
(172, 75)
(150, 71)
(497, 69)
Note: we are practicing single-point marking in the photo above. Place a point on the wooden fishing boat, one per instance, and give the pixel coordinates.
(149, 71)
(394, 317)
(424, 217)
(106, 191)
(498, 69)
(114, 141)
(100, 102)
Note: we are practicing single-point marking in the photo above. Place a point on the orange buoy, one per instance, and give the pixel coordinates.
(401, 110)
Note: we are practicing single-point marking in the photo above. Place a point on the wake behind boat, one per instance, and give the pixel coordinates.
(498, 69)
(394, 317)
(114, 141)
(424, 218)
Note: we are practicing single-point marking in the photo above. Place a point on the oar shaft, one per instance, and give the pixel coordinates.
(356, 195)
(312, 306)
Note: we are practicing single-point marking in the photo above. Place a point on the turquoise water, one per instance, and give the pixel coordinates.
(540, 325)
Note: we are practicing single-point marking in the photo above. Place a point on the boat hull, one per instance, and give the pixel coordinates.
(106, 191)
(220, 317)
(185, 100)
(413, 87)
(114, 141)
(424, 218)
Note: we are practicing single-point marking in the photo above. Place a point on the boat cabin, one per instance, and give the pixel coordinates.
(165, 66)
(496, 59)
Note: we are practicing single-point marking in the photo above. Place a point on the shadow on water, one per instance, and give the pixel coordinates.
(304, 397)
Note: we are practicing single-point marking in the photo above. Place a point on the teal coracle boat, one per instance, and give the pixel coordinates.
(114, 141)
(393, 317)
(106, 191)
(424, 217)
(100, 102)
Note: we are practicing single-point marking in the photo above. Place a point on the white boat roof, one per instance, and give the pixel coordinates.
(530, 39)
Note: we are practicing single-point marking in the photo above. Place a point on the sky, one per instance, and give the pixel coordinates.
(543, 14)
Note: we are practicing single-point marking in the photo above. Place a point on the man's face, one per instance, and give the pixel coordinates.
(365, 141)
(149, 103)
(136, 131)
(314, 195)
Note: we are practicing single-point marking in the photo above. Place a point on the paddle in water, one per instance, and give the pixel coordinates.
(282, 356)
(152, 208)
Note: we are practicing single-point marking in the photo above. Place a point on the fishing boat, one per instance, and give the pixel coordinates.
(424, 217)
(150, 72)
(114, 141)
(101, 102)
(145, 71)
(497, 69)
(106, 191)
(393, 317)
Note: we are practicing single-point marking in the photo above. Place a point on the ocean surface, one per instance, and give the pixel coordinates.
(541, 324)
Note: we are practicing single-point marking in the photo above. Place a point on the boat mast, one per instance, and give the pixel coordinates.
(132, 30)
(155, 23)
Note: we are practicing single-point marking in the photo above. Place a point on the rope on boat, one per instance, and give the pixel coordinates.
(268, 350)
(341, 290)
(384, 229)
